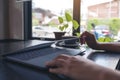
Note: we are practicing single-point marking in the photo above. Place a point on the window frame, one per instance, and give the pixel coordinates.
(28, 19)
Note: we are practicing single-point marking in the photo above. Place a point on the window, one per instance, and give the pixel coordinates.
(101, 13)
(97, 12)
(45, 16)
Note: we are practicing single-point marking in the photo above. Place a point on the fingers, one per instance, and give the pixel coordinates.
(82, 37)
(57, 60)
(60, 65)
(86, 36)
(82, 40)
(63, 56)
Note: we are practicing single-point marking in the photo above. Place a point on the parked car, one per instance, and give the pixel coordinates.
(43, 31)
(102, 31)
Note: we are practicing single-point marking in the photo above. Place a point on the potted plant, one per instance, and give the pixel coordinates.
(65, 23)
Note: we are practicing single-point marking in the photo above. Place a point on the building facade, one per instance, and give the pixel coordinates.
(104, 10)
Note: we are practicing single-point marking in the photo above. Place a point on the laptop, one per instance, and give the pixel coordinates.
(36, 55)
(12, 46)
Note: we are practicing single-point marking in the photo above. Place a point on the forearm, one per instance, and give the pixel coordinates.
(115, 47)
(97, 72)
(102, 73)
(108, 74)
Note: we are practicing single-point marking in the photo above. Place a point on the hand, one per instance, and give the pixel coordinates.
(89, 38)
(75, 67)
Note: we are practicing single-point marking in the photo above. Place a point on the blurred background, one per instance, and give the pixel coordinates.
(101, 17)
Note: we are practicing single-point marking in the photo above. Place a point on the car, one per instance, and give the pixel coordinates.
(102, 31)
(43, 31)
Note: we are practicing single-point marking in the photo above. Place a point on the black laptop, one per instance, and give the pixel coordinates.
(34, 53)
(12, 46)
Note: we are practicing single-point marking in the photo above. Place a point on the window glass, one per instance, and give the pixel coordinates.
(45, 16)
(102, 17)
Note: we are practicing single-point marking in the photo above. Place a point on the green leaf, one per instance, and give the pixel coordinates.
(101, 39)
(61, 28)
(60, 20)
(66, 26)
(108, 39)
(75, 24)
(104, 39)
(68, 17)
(78, 34)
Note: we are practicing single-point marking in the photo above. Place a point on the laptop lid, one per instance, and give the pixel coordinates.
(16, 46)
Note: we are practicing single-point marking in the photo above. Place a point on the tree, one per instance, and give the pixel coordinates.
(114, 24)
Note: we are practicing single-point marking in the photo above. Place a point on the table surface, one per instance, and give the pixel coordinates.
(13, 71)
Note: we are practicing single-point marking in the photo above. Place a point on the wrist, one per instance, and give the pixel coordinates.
(96, 46)
(109, 74)
(99, 46)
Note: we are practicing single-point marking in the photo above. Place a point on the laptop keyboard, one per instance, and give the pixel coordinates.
(40, 52)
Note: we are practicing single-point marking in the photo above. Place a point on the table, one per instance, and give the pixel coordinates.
(13, 71)
(106, 59)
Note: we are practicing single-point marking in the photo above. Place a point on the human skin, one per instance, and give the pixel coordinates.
(90, 40)
(79, 68)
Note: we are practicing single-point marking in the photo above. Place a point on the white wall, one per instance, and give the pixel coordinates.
(11, 20)
(16, 29)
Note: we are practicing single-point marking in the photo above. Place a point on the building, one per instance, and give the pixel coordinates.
(104, 10)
